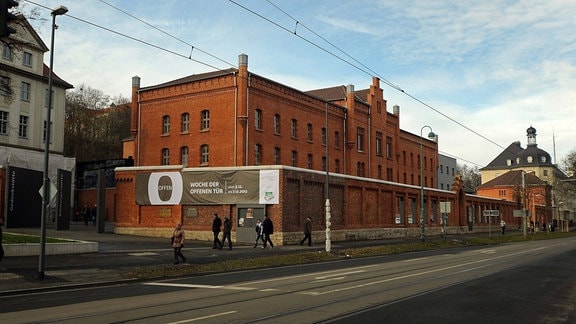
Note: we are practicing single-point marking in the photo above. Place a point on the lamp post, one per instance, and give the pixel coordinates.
(431, 136)
(58, 11)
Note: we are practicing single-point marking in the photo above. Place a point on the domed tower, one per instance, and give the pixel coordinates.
(532, 155)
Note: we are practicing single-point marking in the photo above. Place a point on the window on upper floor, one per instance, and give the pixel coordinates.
(165, 156)
(45, 130)
(25, 90)
(294, 130)
(165, 125)
(337, 139)
(324, 141)
(204, 154)
(23, 127)
(257, 154)
(46, 98)
(379, 143)
(3, 122)
(5, 86)
(294, 158)
(204, 120)
(7, 53)
(441, 168)
(27, 59)
(184, 156)
(309, 162)
(258, 119)
(309, 134)
(277, 155)
(389, 148)
(337, 166)
(276, 123)
(185, 123)
(360, 139)
(323, 163)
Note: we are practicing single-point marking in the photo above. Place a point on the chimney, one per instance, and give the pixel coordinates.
(396, 110)
(134, 105)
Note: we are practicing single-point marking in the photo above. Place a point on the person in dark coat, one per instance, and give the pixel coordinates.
(227, 233)
(267, 229)
(259, 233)
(216, 225)
(307, 232)
(85, 215)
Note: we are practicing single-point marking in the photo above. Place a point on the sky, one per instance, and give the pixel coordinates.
(478, 73)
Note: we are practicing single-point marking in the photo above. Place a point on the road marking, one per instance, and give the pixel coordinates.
(165, 284)
(339, 274)
(203, 317)
(327, 279)
(143, 254)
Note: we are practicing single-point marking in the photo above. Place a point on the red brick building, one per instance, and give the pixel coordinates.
(236, 121)
(237, 118)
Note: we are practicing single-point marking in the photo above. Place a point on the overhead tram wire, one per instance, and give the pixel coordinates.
(168, 34)
(133, 38)
(365, 69)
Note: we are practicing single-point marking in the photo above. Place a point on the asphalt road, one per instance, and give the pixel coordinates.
(529, 282)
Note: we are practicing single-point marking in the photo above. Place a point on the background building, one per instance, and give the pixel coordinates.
(24, 106)
(447, 169)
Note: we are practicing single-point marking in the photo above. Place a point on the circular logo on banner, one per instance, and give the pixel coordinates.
(165, 188)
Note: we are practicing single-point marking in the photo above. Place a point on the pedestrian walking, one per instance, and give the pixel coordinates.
(85, 215)
(1, 247)
(94, 214)
(227, 232)
(216, 225)
(503, 226)
(307, 232)
(259, 233)
(178, 243)
(267, 230)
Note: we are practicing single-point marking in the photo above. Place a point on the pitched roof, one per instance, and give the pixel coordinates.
(192, 78)
(514, 178)
(56, 79)
(337, 93)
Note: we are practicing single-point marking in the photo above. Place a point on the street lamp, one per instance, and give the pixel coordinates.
(431, 136)
(58, 11)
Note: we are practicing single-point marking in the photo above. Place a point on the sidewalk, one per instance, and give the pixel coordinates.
(117, 254)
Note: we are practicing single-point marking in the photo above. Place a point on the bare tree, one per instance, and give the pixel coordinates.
(93, 130)
(470, 177)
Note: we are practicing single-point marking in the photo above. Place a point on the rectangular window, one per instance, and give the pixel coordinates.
(27, 59)
(276, 124)
(310, 161)
(165, 125)
(389, 147)
(277, 155)
(165, 156)
(324, 136)
(257, 154)
(205, 117)
(45, 130)
(309, 132)
(25, 91)
(258, 119)
(185, 126)
(23, 127)
(336, 139)
(7, 53)
(4, 86)
(3, 122)
(184, 156)
(378, 143)
(46, 98)
(294, 128)
(204, 154)
(323, 163)
(294, 158)
(360, 139)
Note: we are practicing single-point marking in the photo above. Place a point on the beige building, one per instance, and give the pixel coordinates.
(24, 104)
(535, 161)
